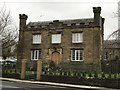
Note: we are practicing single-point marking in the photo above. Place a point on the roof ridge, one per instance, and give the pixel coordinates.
(65, 21)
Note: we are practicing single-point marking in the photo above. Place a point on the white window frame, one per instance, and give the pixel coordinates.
(75, 57)
(56, 38)
(36, 39)
(77, 37)
(35, 54)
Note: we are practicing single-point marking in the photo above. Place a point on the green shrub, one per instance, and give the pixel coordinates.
(71, 74)
(112, 75)
(99, 75)
(107, 75)
(92, 75)
(76, 74)
(63, 73)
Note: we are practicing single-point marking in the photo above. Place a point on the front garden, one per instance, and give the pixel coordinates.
(72, 77)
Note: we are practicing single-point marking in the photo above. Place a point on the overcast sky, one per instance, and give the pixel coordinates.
(45, 10)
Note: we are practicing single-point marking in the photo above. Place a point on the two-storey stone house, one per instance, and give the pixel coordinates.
(71, 44)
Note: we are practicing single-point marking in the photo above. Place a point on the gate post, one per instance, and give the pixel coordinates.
(39, 69)
(23, 68)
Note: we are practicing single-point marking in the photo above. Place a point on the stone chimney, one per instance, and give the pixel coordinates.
(97, 18)
(23, 19)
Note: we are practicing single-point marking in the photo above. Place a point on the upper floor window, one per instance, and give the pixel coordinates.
(35, 54)
(36, 39)
(56, 38)
(77, 55)
(77, 37)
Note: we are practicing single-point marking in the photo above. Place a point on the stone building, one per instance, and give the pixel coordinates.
(71, 44)
(111, 62)
(111, 49)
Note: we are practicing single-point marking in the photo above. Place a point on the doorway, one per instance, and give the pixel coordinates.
(55, 57)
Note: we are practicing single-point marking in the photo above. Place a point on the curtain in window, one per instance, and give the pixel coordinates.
(77, 37)
(36, 39)
(56, 38)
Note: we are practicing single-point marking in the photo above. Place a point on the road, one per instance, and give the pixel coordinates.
(6, 85)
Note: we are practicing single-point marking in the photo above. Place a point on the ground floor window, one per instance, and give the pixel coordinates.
(106, 56)
(77, 55)
(35, 54)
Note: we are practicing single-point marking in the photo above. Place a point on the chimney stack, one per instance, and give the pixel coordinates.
(23, 19)
(97, 18)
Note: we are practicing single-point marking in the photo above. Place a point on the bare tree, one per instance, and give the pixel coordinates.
(8, 30)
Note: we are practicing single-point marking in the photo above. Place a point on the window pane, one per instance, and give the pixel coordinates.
(73, 38)
(81, 54)
(77, 37)
(59, 38)
(77, 55)
(53, 39)
(32, 54)
(35, 54)
(36, 39)
(81, 37)
(56, 38)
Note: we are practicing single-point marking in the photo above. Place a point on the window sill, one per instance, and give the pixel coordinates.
(36, 43)
(34, 59)
(76, 60)
(55, 43)
(78, 43)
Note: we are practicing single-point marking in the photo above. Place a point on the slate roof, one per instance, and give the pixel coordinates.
(69, 22)
(112, 44)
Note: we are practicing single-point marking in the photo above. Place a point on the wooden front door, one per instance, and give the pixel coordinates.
(55, 57)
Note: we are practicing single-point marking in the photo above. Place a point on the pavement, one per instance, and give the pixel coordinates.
(57, 84)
